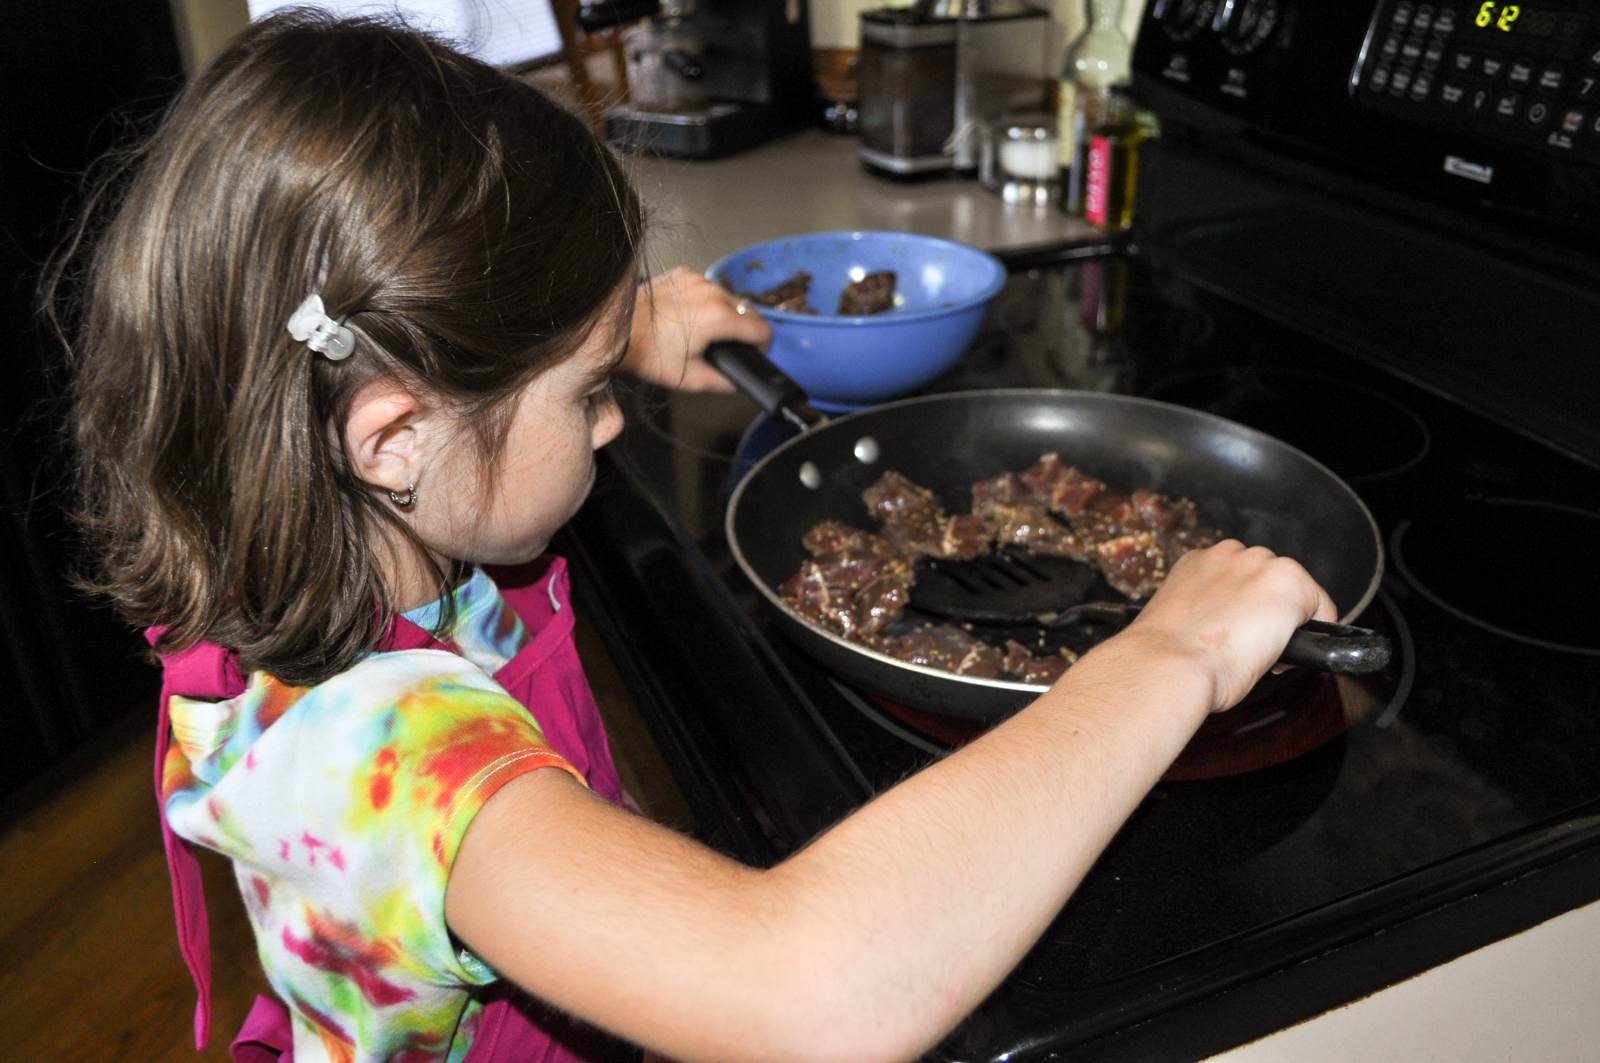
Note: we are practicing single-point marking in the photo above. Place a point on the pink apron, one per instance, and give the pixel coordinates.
(545, 676)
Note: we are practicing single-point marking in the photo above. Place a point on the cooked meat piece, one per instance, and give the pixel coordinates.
(915, 523)
(1182, 540)
(1134, 564)
(1060, 486)
(1162, 514)
(1030, 526)
(830, 537)
(893, 499)
(1020, 662)
(792, 295)
(855, 583)
(1170, 528)
(853, 597)
(1008, 489)
(966, 535)
(872, 294)
(1108, 515)
(947, 648)
(809, 593)
(880, 602)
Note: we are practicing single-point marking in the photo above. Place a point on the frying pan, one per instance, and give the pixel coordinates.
(1246, 483)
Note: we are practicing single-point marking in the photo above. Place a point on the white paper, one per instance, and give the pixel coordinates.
(500, 32)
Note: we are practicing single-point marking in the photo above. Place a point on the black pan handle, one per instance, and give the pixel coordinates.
(1337, 648)
(770, 387)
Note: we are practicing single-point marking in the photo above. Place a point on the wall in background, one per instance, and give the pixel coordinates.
(834, 22)
(204, 26)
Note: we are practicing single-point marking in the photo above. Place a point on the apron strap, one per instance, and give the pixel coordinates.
(183, 867)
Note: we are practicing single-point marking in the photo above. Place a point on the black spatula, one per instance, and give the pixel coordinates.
(1007, 587)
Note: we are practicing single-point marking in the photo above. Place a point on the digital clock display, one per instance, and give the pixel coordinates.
(1540, 28)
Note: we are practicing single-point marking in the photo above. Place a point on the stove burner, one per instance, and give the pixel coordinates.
(1518, 568)
(1359, 434)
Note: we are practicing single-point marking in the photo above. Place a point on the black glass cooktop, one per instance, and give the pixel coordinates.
(1329, 811)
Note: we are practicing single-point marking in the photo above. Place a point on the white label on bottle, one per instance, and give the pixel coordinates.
(1066, 108)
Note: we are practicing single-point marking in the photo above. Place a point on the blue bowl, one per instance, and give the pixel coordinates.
(845, 362)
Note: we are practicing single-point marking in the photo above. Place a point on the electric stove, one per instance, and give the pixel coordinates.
(1334, 836)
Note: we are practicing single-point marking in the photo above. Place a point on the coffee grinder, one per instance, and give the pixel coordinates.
(935, 74)
(707, 77)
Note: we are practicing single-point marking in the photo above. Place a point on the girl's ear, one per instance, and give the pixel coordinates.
(383, 435)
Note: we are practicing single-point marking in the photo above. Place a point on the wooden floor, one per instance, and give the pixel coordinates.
(90, 967)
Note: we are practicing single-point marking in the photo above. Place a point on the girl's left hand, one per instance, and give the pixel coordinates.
(676, 315)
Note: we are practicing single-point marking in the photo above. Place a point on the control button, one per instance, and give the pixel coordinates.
(1433, 55)
(1538, 114)
(1551, 78)
(1506, 105)
(1444, 21)
(1402, 15)
(1491, 65)
(1586, 86)
(1451, 94)
(1391, 46)
(1594, 124)
(1464, 62)
(1565, 134)
(1480, 99)
(1421, 86)
(1519, 75)
(1400, 82)
(1424, 18)
(1411, 51)
(1594, 55)
(1378, 80)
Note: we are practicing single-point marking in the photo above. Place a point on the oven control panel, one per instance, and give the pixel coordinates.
(1525, 73)
(1482, 105)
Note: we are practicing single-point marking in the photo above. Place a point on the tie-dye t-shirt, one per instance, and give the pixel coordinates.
(342, 806)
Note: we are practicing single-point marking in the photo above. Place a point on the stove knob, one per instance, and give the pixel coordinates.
(1246, 25)
(1182, 19)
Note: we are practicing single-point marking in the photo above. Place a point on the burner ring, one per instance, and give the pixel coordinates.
(1546, 595)
(1361, 434)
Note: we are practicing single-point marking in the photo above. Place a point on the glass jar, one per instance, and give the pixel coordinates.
(1019, 159)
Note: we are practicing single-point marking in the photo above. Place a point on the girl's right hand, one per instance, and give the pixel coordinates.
(1231, 609)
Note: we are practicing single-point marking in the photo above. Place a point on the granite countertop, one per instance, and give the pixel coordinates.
(812, 181)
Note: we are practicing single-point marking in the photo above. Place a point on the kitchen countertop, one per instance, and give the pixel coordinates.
(1529, 996)
(1526, 997)
(812, 181)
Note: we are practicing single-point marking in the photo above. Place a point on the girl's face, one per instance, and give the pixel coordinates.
(508, 514)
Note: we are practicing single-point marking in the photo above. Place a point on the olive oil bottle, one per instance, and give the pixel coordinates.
(1111, 164)
(1095, 62)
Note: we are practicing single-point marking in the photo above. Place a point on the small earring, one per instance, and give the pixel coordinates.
(405, 500)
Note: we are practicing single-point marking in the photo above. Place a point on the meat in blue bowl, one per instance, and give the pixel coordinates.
(845, 359)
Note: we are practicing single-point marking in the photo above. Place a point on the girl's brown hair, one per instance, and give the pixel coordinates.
(466, 228)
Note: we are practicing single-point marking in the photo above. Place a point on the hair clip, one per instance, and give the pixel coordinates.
(311, 325)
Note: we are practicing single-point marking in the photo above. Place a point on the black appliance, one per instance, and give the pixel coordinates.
(748, 66)
(1307, 261)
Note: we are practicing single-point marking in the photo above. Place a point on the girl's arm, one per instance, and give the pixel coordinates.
(878, 937)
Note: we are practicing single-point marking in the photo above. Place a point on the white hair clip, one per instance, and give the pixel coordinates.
(311, 325)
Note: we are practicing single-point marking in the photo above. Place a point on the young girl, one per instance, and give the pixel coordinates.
(347, 341)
